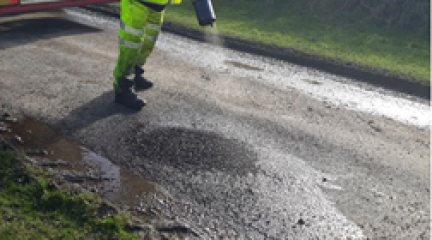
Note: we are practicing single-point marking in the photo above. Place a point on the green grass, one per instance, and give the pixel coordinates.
(393, 51)
(32, 208)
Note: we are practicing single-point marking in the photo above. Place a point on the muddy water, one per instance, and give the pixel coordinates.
(90, 169)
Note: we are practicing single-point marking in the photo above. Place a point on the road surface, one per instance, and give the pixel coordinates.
(244, 146)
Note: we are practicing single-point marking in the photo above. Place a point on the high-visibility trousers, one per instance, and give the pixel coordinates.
(139, 29)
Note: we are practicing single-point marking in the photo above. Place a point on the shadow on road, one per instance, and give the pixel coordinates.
(16, 31)
(97, 109)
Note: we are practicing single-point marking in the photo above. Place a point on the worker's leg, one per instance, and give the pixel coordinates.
(132, 23)
(153, 28)
(132, 26)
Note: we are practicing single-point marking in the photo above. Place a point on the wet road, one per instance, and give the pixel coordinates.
(245, 147)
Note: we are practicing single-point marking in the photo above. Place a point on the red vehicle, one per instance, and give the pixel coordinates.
(20, 6)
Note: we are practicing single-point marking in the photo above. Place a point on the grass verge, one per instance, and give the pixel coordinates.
(394, 52)
(31, 207)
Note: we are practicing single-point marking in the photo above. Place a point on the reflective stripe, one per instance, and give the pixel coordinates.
(150, 38)
(133, 31)
(129, 44)
(153, 26)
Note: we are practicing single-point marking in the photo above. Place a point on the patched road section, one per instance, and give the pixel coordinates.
(241, 146)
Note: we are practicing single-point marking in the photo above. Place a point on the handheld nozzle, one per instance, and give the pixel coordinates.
(204, 11)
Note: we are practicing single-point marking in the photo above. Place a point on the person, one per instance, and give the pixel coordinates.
(140, 25)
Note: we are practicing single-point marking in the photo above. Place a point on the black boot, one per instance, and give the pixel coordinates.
(140, 82)
(125, 96)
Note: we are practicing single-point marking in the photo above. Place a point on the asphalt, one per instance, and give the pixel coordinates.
(277, 153)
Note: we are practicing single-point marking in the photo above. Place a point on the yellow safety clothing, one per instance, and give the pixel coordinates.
(140, 26)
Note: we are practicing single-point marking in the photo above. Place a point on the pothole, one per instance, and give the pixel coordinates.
(192, 150)
(76, 163)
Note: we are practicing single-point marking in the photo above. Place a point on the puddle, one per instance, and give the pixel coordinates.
(117, 184)
(86, 167)
(242, 65)
(37, 135)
